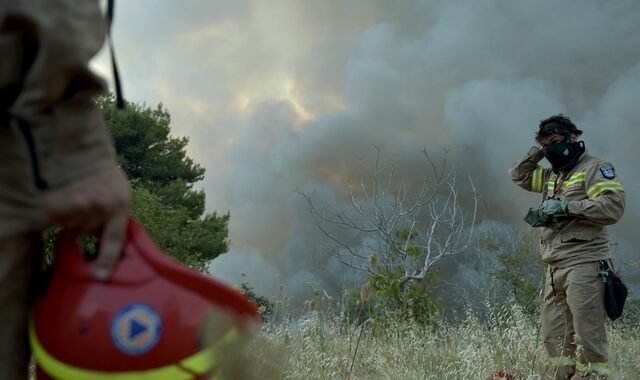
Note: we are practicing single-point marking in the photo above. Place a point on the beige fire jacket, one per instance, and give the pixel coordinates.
(47, 88)
(596, 199)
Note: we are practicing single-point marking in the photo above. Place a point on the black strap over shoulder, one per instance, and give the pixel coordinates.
(41, 184)
(116, 75)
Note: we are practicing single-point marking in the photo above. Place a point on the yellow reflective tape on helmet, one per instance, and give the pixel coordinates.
(562, 361)
(593, 368)
(202, 362)
(536, 179)
(601, 187)
(62, 371)
(199, 363)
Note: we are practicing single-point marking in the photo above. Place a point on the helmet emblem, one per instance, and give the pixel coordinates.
(136, 329)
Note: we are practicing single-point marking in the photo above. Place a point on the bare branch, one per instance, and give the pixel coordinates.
(412, 228)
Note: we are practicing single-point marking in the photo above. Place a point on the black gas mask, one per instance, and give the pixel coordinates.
(564, 155)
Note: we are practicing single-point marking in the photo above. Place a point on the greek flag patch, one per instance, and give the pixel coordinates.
(608, 172)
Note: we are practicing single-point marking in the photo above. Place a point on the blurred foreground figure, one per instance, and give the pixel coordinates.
(581, 194)
(130, 312)
(57, 163)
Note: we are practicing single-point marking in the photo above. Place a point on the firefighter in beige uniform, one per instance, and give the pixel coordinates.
(581, 195)
(57, 163)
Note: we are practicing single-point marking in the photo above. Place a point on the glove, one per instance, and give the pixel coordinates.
(543, 216)
(535, 218)
(553, 207)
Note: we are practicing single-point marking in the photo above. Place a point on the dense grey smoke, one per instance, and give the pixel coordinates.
(283, 96)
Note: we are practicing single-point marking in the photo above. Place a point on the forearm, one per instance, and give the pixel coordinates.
(526, 173)
(601, 211)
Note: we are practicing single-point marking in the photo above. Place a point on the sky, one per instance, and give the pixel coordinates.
(281, 97)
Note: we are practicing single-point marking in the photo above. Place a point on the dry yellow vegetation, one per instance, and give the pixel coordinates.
(324, 348)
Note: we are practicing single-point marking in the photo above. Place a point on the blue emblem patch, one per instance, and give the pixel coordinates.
(136, 329)
(608, 172)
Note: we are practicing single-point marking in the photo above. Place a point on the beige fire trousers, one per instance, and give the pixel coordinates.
(19, 264)
(573, 322)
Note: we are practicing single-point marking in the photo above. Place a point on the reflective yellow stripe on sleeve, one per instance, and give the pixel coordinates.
(593, 368)
(600, 187)
(562, 361)
(536, 179)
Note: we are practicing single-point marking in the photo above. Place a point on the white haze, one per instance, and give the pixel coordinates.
(283, 96)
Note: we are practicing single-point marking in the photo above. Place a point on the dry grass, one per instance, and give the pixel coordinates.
(323, 348)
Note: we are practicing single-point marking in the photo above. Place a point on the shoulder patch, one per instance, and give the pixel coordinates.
(608, 172)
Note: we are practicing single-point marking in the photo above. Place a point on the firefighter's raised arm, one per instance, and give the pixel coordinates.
(527, 173)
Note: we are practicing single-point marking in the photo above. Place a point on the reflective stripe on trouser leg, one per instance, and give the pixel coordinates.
(557, 319)
(558, 361)
(601, 369)
(585, 296)
(562, 367)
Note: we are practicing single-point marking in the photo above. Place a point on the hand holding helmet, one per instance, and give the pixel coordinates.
(98, 202)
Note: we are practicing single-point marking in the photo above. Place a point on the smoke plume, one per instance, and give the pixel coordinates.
(285, 96)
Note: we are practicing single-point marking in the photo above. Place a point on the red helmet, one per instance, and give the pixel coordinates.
(501, 375)
(145, 322)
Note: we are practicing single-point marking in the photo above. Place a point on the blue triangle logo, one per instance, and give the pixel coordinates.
(136, 329)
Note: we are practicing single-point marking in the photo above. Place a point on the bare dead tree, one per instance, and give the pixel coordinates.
(398, 227)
